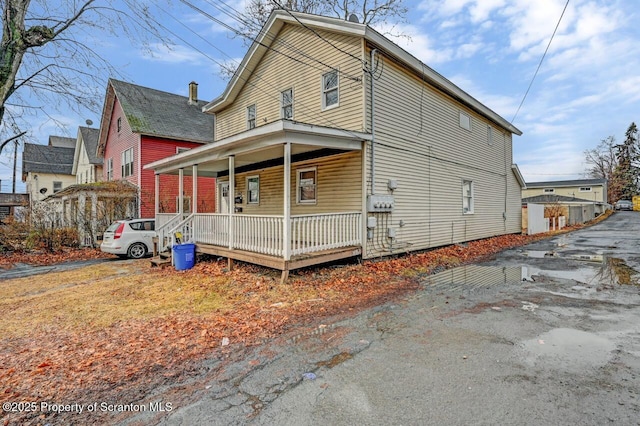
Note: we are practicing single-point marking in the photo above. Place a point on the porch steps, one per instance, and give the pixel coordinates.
(162, 260)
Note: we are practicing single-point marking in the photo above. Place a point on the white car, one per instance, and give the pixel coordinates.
(129, 238)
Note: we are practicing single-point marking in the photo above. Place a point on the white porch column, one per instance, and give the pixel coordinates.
(157, 195)
(194, 195)
(81, 216)
(286, 232)
(181, 192)
(94, 217)
(232, 198)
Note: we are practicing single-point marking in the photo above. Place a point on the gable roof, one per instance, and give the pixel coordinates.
(559, 183)
(156, 113)
(279, 18)
(62, 142)
(550, 199)
(46, 159)
(88, 136)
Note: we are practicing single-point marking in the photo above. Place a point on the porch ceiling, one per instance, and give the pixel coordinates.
(260, 145)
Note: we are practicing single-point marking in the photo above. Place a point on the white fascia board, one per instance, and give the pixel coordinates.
(519, 177)
(265, 136)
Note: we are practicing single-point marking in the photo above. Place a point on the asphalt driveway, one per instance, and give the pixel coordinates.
(544, 334)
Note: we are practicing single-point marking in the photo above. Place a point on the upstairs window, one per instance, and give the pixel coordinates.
(465, 120)
(119, 123)
(127, 163)
(490, 135)
(251, 116)
(57, 186)
(549, 190)
(330, 95)
(287, 104)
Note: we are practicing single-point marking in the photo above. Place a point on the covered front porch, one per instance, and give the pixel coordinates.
(289, 195)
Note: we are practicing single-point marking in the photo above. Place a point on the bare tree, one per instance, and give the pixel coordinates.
(369, 12)
(602, 161)
(46, 54)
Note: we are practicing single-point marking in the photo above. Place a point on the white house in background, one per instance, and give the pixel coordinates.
(47, 169)
(87, 165)
(357, 149)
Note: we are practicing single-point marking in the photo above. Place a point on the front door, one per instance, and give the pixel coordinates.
(223, 197)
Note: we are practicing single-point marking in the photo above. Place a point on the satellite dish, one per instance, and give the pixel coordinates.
(89, 122)
(43, 191)
(354, 18)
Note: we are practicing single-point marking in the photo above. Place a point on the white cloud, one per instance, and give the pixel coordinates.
(173, 54)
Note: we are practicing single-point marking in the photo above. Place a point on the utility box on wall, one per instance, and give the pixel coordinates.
(380, 203)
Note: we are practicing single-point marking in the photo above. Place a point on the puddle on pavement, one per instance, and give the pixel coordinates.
(539, 254)
(568, 349)
(616, 271)
(474, 277)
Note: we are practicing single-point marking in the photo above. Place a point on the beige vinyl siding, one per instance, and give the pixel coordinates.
(420, 143)
(338, 187)
(277, 72)
(596, 193)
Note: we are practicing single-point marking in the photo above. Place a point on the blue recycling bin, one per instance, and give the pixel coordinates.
(184, 256)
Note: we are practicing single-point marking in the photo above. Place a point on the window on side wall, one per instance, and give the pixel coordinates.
(119, 123)
(57, 186)
(109, 169)
(306, 183)
(286, 99)
(127, 163)
(548, 190)
(490, 135)
(465, 120)
(251, 116)
(253, 190)
(180, 149)
(330, 94)
(585, 189)
(467, 197)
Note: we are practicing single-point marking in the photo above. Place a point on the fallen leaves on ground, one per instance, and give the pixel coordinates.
(39, 258)
(124, 361)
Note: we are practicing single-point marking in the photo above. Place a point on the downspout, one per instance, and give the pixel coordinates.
(373, 143)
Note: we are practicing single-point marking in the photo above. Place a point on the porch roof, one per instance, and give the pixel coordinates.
(260, 144)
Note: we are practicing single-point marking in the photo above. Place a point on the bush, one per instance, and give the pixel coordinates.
(52, 239)
(13, 235)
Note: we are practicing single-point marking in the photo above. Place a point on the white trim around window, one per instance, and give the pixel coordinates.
(127, 163)
(253, 189)
(330, 90)
(251, 116)
(307, 185)
(465, 120)
(109, 169)
(286, 104)
(467, 197)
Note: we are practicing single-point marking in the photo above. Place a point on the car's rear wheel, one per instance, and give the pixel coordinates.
(137, 251)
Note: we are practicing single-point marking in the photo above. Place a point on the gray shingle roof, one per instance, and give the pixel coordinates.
(156, 113)
(62, 142)
(47, 159)
(549, 198)
(90, 138)
(557, 183)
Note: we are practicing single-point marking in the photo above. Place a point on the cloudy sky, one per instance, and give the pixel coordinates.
(587, 88)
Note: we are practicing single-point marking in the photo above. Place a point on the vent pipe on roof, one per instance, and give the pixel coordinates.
(193, 93)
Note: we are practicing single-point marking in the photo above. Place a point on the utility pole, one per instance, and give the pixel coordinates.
(15, 163)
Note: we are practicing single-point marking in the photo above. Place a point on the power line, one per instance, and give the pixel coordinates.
(540, 64)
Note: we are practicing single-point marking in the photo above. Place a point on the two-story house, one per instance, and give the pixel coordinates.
(47, 169)
(140, 125)
(331, 141)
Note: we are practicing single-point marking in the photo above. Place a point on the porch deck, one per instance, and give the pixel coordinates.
(279, 263)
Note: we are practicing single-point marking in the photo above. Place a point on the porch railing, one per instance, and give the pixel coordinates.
(316, 232)
(165, 222)
(264, 233)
